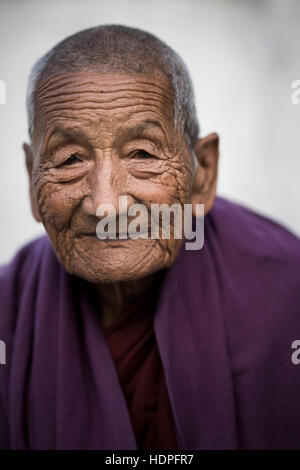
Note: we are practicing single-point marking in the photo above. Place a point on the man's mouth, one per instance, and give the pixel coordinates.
(108, 237)
(114, 237)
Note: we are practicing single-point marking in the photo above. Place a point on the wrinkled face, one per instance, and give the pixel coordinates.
(98, 137)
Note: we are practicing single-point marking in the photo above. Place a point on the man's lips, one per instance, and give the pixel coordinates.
(112, 237)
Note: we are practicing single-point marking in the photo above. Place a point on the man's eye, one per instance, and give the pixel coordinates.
(71, 160)
(143, 154)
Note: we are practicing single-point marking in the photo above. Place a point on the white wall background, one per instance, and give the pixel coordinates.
(243, 56)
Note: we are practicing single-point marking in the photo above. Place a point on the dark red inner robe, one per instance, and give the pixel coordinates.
(131, 340)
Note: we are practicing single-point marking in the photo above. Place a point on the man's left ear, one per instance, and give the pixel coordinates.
(205, 177)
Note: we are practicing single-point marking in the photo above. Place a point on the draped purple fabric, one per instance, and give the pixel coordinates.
(225, 321)
(131, 340)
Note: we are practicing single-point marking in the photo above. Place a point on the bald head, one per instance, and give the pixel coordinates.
(114, 48)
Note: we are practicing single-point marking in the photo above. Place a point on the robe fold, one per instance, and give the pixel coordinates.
(131, 340)
(225, 321)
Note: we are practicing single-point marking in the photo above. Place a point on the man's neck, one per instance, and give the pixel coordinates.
(117, 297)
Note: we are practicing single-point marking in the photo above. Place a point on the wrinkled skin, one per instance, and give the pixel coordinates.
(100, 136)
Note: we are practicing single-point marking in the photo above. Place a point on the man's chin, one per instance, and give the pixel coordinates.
(116, 264)
(98, 275)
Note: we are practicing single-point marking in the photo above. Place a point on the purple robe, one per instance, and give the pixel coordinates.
(225, 321)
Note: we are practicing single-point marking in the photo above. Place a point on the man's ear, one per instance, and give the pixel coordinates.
(205, 177)
(29, 165)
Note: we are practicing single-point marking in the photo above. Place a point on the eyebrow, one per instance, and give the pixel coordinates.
(67, 133)
(122, 134)
(138, 130)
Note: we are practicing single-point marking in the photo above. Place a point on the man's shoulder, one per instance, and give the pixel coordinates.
(257, 262)
(257, 269)
(19, 279)
(23, 261)
(243, 232)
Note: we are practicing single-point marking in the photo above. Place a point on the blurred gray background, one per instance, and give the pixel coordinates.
(243, 56)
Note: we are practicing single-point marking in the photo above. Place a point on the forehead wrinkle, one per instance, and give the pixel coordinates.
(87, 93)
(67, 93)
(101, 94)
(109, 84)
(85, 106)
(77, 110)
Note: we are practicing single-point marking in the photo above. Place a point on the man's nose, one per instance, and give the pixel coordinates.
(105, 185)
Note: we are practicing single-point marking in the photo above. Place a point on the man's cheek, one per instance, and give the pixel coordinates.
(55, 204)
(159, 192)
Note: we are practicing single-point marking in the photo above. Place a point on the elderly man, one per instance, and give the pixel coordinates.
(137, 342)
